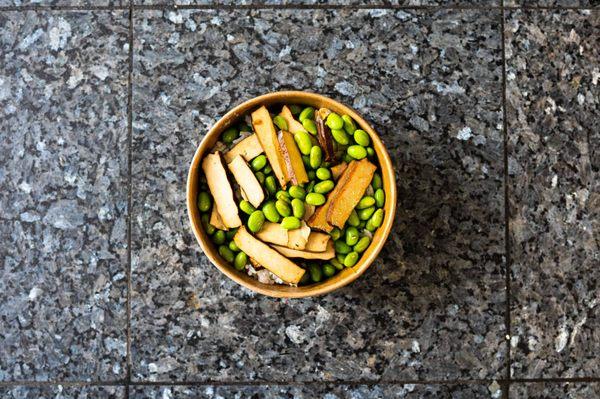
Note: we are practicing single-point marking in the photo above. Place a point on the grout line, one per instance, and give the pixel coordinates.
(130, 190)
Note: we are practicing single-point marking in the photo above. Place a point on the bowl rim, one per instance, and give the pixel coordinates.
(284, 291)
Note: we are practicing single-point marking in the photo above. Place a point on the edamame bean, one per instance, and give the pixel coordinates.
(351, 259)
(298, 208)
(316, 157)
(306, 160)
(270, 212)
(219, 237)
(230, 233)
(315, 273)
(347, 158)
(362, 244)
(208, 228)
(365, 202)
(244, 128)
(283, 195)
(334, 121)
(310, 126)
(352, 236)
(328, 270)
(256, 221)
(233, 246)
(303, 141)
(341, 247)
(365, 214)
(311, 186)
(377, 218)
(305, 279)
(335, 234)
(362, 224)
(271, 184)
(297, 192)
(324, 187)
(267, 170)
(353, 219)
(258, 163)
(379, 197)
(311, 174)
(376, 183)
(357, 151)
(204, 201)
(226, 253)
(247, 207)
(340, 258)
(280, 122)
(323, 174)
(340, 136)
(370, 152)
(349, 125)
(260, 176)
(229, 135)
(315, 199)
(290, 223)
(240, 261)
(336, 263)
(307, 113)
(283, 208)
(295, 109)
(361, 137)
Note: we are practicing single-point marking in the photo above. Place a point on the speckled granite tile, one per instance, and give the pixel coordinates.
(413, 391)
(63, 195)
(554, 158)
(552, 3)
(63, 392)
(481, 3)
(545, 390)
(432, 306)
(76, 3)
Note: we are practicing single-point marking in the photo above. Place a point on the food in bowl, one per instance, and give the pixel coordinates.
(291, 195)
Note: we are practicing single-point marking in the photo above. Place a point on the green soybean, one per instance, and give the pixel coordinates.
(340, 136)
(370, 152)
(270, 212)
(230, 233)
(256, 221)
(340, 258)
(362, 244)
(379, 197)
(307, 113)
(297, 192)
(351, 259)
(316, 157)
(208, 228)
(229, 135)
(323, 174)
(283, 208)
(280, 122)
(353, 219)
(361, 137)
(341, 247)
(376, 182)
(365, 202)
(336, 263)
(268, 169)
(328, 270)
(295, 109)
(365, 214)
(240, 261)
(204, 201)
(271, 184)
(311, 174)
(306, 160)
(244, 128)
(352, 236)
(298, 209)
(247, 207)
(335, 234)
(303, 141)
(347, 158)
(370, 226)
(310, 126)
(311, 186)
(233, 246)
(334, 121)
(219, 237)
(324, 187)
(305, 279)
(315, 273)
(290, 223)
(283, 195)
(362, 224)
(357, 151)
(349, 125)
(260, 176)
(315, 199)
(258, 163)
(377, 218)
(226, 253)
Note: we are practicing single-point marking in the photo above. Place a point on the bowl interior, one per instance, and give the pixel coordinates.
(345, 276)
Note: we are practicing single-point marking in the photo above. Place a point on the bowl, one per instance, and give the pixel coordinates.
(342, 278)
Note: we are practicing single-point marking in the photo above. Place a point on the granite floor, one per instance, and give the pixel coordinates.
(488, 286)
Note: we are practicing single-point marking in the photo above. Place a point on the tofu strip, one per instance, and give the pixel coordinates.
(221, 190)
(247, 181)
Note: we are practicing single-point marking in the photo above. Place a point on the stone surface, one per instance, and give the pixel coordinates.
(317, 391)
(495, 3)
(432, 306)
(544, 390)
(554, 159)
(552, 3)
(75, 3)
(63, 195)
(63, 392)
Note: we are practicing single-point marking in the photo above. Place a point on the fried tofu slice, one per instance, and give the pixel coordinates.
(293, 125)
(219, 186)
(273, 233)
(294, 167)
(298, 238)
(338, 169)
(215, 219)
(265, 130)
(266, 256)
(329, 253)
(247, 181)
(317, 242)
(249, 148)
